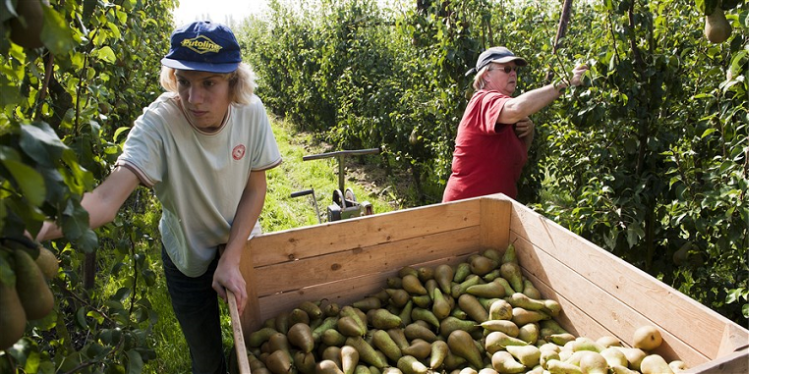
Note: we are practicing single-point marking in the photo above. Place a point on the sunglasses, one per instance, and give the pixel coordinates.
(507, 69)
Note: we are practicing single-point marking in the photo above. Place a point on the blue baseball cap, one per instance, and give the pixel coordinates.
(203, 46)
(500, 55)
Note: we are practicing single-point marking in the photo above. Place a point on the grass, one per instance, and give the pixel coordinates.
(280, 212)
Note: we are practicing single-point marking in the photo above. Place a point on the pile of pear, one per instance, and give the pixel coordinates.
(481, 316)
(28, 296)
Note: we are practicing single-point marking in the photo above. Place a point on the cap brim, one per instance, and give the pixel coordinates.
(518, 60)
(200, 66)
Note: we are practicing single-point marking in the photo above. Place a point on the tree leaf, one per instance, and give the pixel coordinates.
(29, 181)
(41, 143)
(106, 54)
(135, 362)
(56, 34)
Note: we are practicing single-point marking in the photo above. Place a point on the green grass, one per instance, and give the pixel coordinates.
(280, 212)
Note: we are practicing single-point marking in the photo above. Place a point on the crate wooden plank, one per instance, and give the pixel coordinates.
(495, 216)
(290, 245)
(737, 362)
(686, 319)
(607, 312)
(351, 263)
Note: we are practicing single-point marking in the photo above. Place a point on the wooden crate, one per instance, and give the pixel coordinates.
(600, 294)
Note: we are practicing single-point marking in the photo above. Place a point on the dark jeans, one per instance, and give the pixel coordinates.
(196, 307)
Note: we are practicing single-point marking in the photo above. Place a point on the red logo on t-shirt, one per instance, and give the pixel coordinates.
(238, 152)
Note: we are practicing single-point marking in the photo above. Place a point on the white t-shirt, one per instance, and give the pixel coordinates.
(198, 177)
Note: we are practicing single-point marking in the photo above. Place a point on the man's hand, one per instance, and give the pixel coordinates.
(524, 128)
(577, 75)
(228, 277)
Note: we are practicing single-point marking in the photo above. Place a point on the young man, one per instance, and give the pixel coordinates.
(203, 147)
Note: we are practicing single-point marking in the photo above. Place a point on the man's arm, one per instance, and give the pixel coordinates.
(522, 106)
(102, 204)
(227, 276)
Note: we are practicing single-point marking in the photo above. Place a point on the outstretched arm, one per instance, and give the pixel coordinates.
(228, 276)
(102, 204)
(522, 106)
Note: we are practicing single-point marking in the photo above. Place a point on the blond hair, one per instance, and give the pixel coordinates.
(242, 83)
(479, 83)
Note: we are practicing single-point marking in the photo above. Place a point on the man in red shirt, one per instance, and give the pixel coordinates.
(495, 133)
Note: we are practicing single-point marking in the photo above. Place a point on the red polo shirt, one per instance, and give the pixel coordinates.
(488, 157)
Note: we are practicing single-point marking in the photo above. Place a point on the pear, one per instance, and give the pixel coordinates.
(439, 350)
(655, 364)
(717, 28)
(398, 296)
(528, 355)
(34, 294)
(492, 254)
(462, 344)
(383, 319)
(529, 333)
(558, 367)
(497, 340)
(413, 285)
(47, 263)
(562, 338)
(350, 359)
(609, 341)
(328, 367)
(300, 336)
(500, 310)
(420, 314)
(384, 343)
(511, 272)
(634, 356)
(619, 369)
(407, 270)
(348, 326)
(529, 290)
(418, 348)
(305, 363)
(444, 277)
(332, 337)
(482, 265)
(258, 337)
(507, 327)
(12, 317)
(418, 331)
(411, 365)
(450, 324)
(487, 290)
(470, 304)
(279, 362)
(504, 362)
(441, 306)
(522, 316)
(586, 344)
(593, 363)
(614, 356)
(647, 338)
(521, 300)
(368, 303)
(461, 272)
(677, 366)
(399, 337)
(367, 353)
(510, 255)
(424, 273)
(329, 323)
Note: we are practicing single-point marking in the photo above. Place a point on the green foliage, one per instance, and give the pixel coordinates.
(649, 155)
(63, 114)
